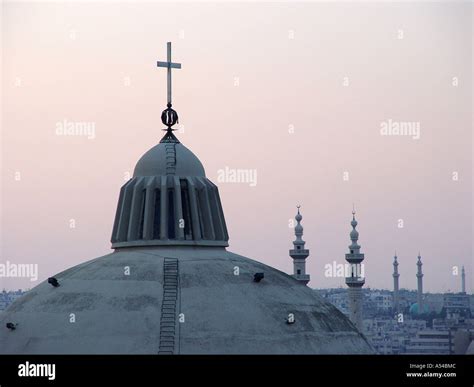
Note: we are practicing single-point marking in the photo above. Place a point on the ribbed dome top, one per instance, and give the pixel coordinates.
(169, 201)
(169, 158)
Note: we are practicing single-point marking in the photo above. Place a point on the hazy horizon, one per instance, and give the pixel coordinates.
(299, 92)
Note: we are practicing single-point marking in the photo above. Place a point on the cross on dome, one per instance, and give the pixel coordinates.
(169, 117)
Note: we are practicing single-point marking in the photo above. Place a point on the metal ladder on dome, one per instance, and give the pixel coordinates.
(168, 319)
(170, 149)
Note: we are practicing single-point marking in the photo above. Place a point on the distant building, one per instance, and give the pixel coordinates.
(382, 300)
(337, 297)
(431, 342)
(453, 321)
(456, 303)
(7, 297)
(391, 336)
(401, 333)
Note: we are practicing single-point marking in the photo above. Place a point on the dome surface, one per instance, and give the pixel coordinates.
(165, 156)
(414, 309)
(207, 310)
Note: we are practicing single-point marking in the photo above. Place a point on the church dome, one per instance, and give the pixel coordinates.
(181, 300)
(170, 286)
(175, 290)
(169, 157)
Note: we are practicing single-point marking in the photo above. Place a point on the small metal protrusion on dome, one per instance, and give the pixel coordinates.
(257, 277)
(11, 326)
(53, 281)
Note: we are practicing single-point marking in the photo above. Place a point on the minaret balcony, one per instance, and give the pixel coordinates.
(355, 281)
(299, 253)
(302, 277)
(354, 257)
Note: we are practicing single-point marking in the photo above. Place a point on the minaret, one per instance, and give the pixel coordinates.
(419, 276)
(395, 284)
(299, 253)
(355, 281)
(463, 281)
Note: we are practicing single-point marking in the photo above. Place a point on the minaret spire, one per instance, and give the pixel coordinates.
(463, 280)
(299, 253)
(419, 276)
(355, 280)
(396, 276)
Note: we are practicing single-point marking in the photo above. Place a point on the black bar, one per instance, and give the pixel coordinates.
(316, 370)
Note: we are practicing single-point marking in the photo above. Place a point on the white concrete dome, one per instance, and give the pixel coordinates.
(158, 159)
(222, 313)
(174, 290)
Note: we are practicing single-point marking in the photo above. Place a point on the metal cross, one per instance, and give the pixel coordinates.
(169, 65)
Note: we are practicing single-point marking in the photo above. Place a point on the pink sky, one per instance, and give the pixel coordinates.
(250, 71)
